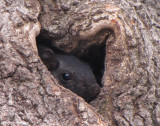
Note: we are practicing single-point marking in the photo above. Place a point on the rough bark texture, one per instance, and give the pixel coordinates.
(29, 95)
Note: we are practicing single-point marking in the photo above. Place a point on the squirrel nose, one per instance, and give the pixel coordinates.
(93, 92)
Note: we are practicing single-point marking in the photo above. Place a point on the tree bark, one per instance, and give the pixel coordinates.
(30, 95)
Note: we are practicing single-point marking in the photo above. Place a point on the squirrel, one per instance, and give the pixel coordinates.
(71, 73)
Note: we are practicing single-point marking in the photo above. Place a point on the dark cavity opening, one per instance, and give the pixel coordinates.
(94, 55)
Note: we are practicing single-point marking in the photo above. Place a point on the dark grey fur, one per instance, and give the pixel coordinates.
(82, 80)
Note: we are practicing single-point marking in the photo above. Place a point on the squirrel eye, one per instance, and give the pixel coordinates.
(66, 76)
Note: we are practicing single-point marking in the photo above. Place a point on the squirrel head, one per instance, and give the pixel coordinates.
(71, 73)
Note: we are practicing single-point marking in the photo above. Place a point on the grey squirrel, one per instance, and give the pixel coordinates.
(71, 73)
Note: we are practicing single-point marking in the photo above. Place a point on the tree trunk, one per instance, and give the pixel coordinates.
(30, 95)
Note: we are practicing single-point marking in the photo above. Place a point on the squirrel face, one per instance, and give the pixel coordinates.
(71, 73)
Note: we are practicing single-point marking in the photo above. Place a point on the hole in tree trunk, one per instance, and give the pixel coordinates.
(94, 56)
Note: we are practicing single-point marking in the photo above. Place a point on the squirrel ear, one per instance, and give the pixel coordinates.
(49, 58)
